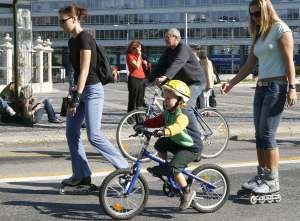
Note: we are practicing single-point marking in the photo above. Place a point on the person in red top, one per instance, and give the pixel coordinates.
(136, 76)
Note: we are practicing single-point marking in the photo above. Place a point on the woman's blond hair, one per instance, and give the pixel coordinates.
(268, 18)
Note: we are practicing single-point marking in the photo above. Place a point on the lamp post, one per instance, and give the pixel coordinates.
(186, 28)
(230, 50)
(231, 46)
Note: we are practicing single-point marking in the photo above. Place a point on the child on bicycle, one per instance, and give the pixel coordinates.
(180, 136)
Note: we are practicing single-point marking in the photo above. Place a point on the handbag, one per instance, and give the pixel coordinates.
(64, 106)
(212, 99)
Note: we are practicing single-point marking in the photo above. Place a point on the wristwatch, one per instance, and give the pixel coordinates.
(292, 86)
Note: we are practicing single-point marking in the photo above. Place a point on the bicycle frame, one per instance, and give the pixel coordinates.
(138, 165)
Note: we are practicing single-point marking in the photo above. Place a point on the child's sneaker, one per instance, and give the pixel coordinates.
(187, 199)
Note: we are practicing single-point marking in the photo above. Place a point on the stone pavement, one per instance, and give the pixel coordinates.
(114, 109)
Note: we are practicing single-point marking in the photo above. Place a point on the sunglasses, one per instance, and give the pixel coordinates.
(169, 36)
(255, 14)
(63, 21)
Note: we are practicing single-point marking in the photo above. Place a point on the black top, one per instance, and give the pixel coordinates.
(180, 64)
(83, 41)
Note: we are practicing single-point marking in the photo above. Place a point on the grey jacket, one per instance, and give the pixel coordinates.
(181, 64)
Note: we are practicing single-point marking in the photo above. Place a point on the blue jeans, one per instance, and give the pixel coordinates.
(269, 103)
(3, 105)
(90, 108)
(196, 91)
(47, 106)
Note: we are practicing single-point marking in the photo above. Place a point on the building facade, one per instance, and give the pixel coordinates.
(218, 25)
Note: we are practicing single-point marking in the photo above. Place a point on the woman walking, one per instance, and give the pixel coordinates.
(87, 99)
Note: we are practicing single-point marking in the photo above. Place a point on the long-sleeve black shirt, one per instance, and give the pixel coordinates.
(181, 64)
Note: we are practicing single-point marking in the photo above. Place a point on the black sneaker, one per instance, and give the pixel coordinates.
(76, 182)
(187, 199)
(56, 121)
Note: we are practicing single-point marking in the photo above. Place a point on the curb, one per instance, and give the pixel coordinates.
(50, 137)
(247, 130)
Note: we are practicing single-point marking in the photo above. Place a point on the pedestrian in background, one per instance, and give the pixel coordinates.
(136, 64)
(178, 62)
(208, 68)
(86, 100)
(272, 47)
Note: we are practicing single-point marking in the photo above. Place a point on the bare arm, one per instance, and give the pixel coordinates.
(137, 63)
(243, 73)
(245, 70)
(85, 60)
(286, 45)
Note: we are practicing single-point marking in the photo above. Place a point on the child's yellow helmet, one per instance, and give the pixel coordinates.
(179, 88)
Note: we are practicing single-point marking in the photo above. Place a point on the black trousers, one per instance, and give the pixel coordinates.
(136, 94)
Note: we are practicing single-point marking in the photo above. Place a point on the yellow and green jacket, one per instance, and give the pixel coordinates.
(181, 126)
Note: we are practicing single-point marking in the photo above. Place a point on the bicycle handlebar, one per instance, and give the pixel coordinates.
(144, 131)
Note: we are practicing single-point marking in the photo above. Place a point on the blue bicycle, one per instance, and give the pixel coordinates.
(124, 193)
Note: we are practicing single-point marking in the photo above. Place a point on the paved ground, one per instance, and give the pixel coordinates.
(34, 160)
(236, 107)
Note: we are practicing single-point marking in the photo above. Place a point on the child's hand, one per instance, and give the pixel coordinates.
(159, 133)
(139, 128)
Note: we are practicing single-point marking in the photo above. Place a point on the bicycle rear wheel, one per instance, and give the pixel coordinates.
(207, 199)
(131, 146)
(214, 132)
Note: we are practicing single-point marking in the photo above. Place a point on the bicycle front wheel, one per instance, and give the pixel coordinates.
(131, 146)
(113, 198)
(209, 199)
(214, 132)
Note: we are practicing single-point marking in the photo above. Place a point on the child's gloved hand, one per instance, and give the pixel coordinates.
(139, 128)
(159, 133)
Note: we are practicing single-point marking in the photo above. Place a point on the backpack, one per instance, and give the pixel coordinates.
(104, 71)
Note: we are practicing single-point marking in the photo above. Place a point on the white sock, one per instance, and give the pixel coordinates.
(10, 111)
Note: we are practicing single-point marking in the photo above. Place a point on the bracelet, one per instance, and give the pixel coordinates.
(292, 86)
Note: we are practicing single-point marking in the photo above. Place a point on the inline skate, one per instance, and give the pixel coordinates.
(262, 189)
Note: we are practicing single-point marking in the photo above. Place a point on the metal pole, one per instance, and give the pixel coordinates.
(232, 55)
(15, 11)
(127, 35)
(186, 28)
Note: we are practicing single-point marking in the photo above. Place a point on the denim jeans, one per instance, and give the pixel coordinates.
(47, 106)
(3, 105)
(196, 91)
(90, 108)
(269, 103)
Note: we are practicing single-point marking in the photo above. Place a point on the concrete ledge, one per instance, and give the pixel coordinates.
(42, 136)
